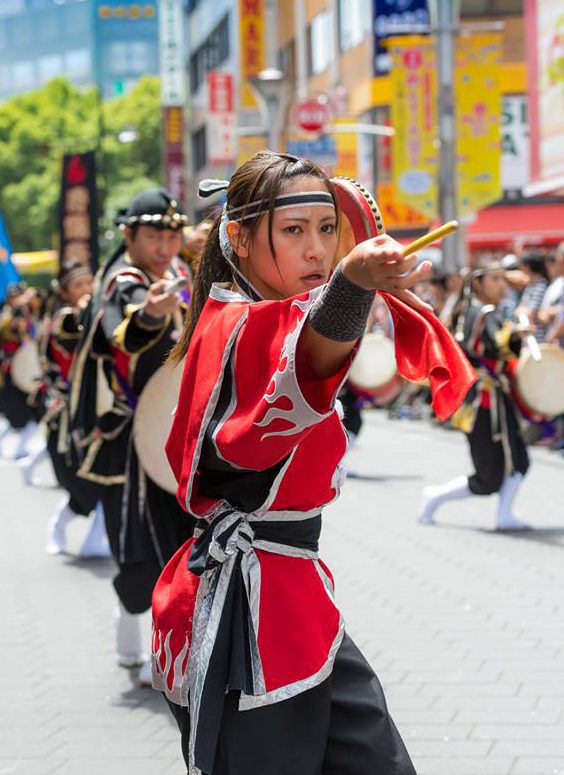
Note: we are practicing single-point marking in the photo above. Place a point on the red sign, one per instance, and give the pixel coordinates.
(220, 126)
(220, 95)
(312, 114)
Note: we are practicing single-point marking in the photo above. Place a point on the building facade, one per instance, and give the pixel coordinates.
(332, 47)
(108, 43)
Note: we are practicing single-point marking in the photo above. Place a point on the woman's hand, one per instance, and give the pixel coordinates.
(380, 264)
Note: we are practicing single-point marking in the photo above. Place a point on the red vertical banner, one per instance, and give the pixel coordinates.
(175, 178)
(220, 126)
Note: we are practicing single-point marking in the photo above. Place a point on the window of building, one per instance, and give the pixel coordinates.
(78, 63)
(287, 59)
(46, 25)
(6, 77)
(77, 18)
(23, 74)
(116, 56)
(50, 67)
(20, 32)
(210, 55)
(321, 42)
(11, 7)
(139, 54)
(355, 20)
(199, 148)
(492, 7)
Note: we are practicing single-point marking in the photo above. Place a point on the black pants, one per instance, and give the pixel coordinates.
(14, 406)
(83, 494)
(488, 455)
(154, 537)
(351, 407)
(341, 727)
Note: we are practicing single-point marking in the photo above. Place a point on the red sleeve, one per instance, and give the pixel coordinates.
(270, 411)
(424, 348)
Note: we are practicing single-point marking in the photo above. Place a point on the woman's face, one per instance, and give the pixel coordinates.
(305, 241)
(491, 287)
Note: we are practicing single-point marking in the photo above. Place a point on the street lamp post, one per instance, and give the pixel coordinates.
(271, 87)
(444, 18)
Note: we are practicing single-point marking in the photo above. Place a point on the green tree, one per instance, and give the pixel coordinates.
(37, 128)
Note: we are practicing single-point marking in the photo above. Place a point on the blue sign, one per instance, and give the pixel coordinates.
(8, 272)
(396, 17)
(322, 150)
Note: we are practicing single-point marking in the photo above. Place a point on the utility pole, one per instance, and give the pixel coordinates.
(444, 16)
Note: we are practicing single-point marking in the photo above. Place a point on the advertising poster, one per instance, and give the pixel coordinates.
(414, 118)
(478, 121)
(545, 55)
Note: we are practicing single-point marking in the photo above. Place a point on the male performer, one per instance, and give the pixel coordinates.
(135, 321)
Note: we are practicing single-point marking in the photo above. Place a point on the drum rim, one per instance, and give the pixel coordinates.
(524, 362)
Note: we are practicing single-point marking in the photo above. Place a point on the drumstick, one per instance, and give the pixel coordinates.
(432, 236)
(532, 343)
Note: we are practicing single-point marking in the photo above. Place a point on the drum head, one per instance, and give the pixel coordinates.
(375, 363)
(541, 383)
(152, 422)
(26, 367)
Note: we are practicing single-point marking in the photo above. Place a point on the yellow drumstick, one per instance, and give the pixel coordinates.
(428, 239)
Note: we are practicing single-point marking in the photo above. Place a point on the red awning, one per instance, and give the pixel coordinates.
(530, 224)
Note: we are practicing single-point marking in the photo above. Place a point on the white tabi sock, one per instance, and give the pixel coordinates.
(434, 496)
(128, 637)
(96, 542)
(507, 494)
(56, 538)
(5, 431)
(28, 464)
(25, 435)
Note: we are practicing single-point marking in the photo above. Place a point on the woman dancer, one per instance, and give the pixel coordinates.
(255, 446)
(489, 414)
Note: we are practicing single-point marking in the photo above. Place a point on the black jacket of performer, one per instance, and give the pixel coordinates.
(489, 415)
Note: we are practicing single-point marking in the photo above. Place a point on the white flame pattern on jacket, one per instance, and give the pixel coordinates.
(285, 383)
(162, 674)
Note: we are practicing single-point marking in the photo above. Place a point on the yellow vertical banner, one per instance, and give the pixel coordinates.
(346, 163)
(414, 118)
(478, 121)
(251, 46)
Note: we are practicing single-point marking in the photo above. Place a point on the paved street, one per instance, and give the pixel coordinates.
(465, 627)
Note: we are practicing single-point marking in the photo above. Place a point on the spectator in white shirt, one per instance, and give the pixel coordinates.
(533, 264)
(551, 303)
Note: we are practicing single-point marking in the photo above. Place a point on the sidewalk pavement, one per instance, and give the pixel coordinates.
(464, 626)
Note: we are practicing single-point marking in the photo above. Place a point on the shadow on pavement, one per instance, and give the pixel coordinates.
(102, 567)
(550, 536)
(382, 477)
(144, 696)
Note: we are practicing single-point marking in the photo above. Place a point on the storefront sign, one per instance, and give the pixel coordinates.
(515, 144)
(396, 17)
